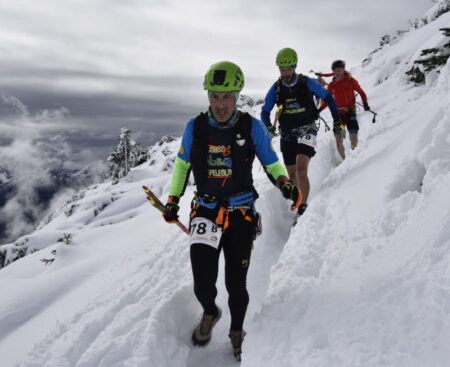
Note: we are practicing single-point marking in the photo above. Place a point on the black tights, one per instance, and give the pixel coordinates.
(236, 243)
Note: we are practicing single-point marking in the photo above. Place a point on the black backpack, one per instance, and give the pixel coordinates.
(303, 95)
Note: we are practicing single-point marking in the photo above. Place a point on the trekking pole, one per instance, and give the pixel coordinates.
(374, 119)
(327, 128)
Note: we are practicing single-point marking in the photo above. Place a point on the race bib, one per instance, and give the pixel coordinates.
(308, 139)
(205, 231)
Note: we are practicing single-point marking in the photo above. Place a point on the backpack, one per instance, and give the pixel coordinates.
(303, 95)
(301, 92)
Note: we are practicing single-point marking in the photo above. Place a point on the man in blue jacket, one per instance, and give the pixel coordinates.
(293, 95)
(219, 147)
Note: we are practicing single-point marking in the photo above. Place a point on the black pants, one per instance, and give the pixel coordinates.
(236, 243)
(348, 117)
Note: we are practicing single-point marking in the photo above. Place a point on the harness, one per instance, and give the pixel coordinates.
(293, 134)
(242, 200)
(219, 210)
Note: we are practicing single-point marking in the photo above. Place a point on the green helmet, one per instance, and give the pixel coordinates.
(224, 76)
(286, 57)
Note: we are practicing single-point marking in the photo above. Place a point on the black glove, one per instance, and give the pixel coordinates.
(172, 207)
(272, 131)
(338, 127)
(291, 192)
(366, 106)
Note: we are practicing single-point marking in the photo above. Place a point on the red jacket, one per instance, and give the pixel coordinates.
(344, 90)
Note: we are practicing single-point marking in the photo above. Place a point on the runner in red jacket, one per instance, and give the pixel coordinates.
(343, 88)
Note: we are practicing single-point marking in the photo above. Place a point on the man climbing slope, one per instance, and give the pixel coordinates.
(343, 88)
(220, 146)
(293, 95)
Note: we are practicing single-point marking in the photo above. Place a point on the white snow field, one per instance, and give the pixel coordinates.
(362, 280)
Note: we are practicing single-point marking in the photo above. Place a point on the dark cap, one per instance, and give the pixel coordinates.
(338, 64)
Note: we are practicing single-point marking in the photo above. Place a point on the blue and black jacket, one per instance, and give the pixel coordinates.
(296, 102)
(210, 149)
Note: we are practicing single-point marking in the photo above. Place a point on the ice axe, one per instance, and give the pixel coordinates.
(153, 200)
(374, 119)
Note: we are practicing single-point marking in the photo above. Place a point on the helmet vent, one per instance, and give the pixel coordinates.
(219, 77)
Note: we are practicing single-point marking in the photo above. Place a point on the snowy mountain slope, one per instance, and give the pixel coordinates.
(363, 279)
(123, 283)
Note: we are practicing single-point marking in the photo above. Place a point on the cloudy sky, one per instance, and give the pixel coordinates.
(94, 66)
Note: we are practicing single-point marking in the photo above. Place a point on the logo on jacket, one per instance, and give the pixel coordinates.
(219, 161)
(239, 140)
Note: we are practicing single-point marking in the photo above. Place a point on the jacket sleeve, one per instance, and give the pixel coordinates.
(269, 103)
(265, 151)
(329, 100)
(316, 88)
(360, 91)
(324, 104)
(182, 168)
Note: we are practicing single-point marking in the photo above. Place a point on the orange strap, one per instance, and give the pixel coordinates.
(247, 217)
(223, 218)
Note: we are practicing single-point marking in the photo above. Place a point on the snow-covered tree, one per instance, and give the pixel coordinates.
(128, 154)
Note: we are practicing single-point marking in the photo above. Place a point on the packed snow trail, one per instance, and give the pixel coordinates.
(139, 309)
(121, 294)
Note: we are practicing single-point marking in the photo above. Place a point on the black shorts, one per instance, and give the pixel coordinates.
(348, 117)
(291, 147)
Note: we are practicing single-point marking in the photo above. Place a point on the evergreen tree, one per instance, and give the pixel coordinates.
(128, 154)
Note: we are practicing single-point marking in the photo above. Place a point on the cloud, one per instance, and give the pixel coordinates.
(142, 62)
(30, 156)
(30, 170)
(168, 38)
(37, 143)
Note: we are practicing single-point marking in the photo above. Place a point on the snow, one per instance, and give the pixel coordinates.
(362, 280)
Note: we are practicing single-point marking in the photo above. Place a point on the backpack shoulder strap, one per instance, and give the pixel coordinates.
(244, 125)
(199, 148)
(201, 126)
(302, 79)
(278, 97)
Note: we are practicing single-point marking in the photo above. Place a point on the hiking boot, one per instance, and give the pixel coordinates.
(202, 333)
(237, 337)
